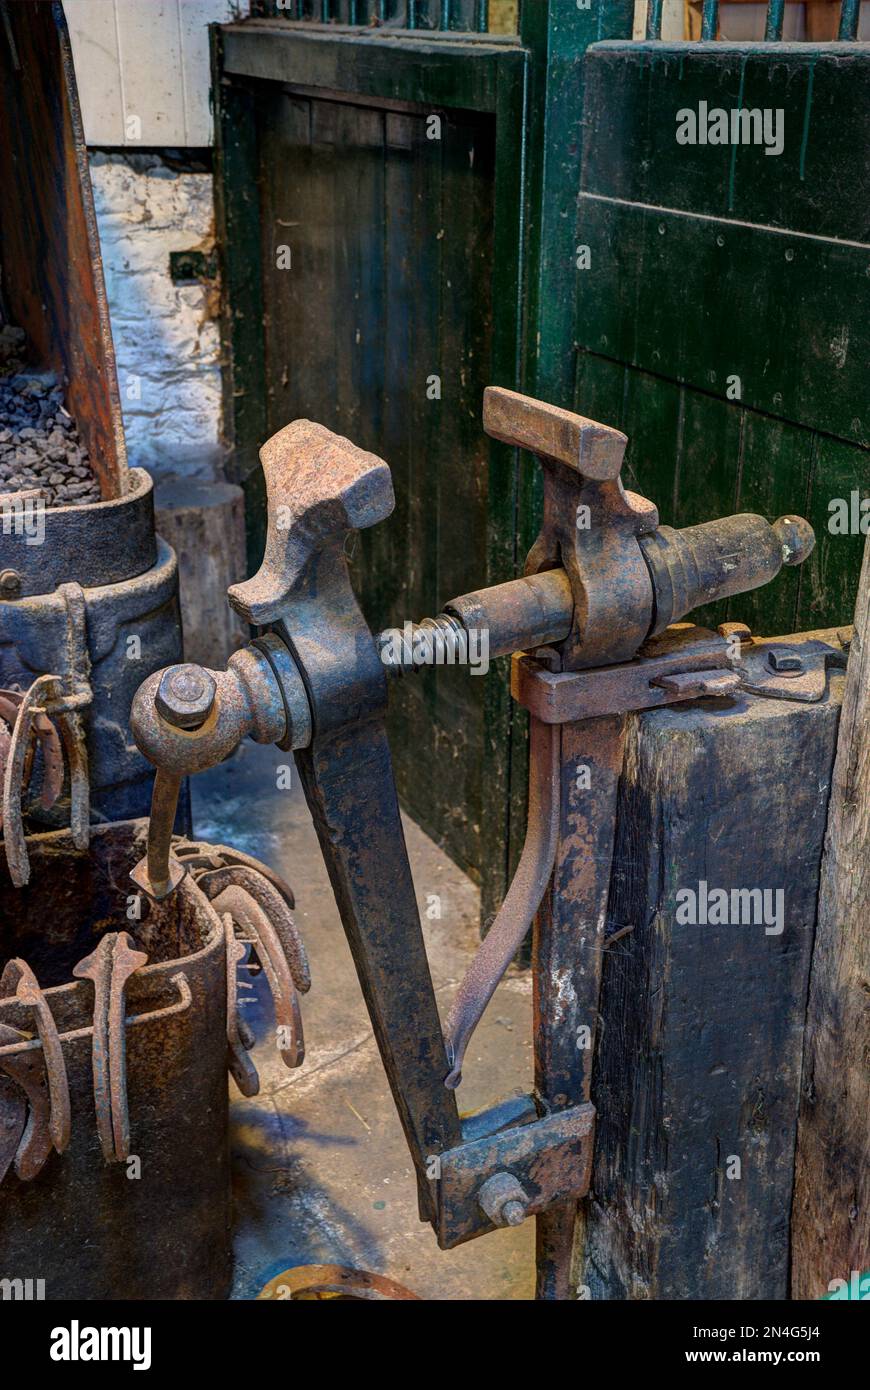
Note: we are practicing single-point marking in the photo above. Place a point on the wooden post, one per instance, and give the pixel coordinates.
(204, 523)
(697, 1074)
(831, 1217)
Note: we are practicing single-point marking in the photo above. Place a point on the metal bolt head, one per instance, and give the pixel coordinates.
(185, 696)
(784, 661)
(504, 1200)
(732, 630)
(513, 1213)
(10, 584)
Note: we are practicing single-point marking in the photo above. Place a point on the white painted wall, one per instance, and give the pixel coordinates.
(672, 19)
(143, 69)
(166, 343)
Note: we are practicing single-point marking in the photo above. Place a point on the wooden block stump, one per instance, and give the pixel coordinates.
(204, 523)
(697, 1078)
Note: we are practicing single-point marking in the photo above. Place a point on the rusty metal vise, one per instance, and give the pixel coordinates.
(591, 627)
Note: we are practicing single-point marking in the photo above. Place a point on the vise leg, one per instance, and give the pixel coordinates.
(567, 946)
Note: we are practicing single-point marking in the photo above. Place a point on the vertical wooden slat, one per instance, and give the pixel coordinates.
(850, 12)
(827, 581)
(238, 235)
(773, 23)
(654, 19)
(776, 460)
(481, 16)
(831, 1212)
(98, 68)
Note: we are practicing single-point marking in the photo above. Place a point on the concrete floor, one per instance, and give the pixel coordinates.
(321, 1170)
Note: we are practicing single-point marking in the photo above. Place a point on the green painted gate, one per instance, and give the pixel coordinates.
(397, 200)
(723, 320)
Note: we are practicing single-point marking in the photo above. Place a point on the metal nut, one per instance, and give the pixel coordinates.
(785, 661)
(504, 1200)
(10, 584)
(185, 696)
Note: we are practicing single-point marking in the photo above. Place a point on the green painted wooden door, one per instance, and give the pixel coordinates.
(722, 308)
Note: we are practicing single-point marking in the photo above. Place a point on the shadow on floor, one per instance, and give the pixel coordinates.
(321, 1173)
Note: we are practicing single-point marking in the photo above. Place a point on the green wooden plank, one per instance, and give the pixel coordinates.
(505, 750)
(774, 320)
(698, 458)
(358, 248)
(385, 65)
(819, 184)
(390, 559)
(775, 469)
(285, 125)
(829, 578)
(415, 701)
(237, 212)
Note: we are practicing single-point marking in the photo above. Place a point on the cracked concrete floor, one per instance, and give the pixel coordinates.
(321, 1173)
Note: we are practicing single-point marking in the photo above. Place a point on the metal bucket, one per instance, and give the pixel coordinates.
(98, 606)
(153, 1220)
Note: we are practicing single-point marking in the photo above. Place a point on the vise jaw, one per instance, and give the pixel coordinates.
(590, 524)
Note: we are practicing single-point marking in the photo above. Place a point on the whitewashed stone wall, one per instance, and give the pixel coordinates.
(166, 342)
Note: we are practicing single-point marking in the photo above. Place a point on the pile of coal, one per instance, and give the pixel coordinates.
(39, 441)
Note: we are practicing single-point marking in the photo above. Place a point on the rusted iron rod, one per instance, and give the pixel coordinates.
(185, 998)
(521, 902)
(164, 803)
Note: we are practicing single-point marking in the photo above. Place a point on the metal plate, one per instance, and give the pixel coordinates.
(551, 1158)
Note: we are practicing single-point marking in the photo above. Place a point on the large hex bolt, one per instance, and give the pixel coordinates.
(504, 1200)
(185, 696)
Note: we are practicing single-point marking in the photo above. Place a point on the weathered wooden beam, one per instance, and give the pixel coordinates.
(831, 1217)
(52, 274)
(204, 522)
(697, 1076)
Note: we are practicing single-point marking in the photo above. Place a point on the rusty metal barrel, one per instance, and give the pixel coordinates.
(96, 603)
(114, 1167)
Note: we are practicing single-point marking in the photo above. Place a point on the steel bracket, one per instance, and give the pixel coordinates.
(794, 667)
(657, 676)
(550, 1161)
(685, 662)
